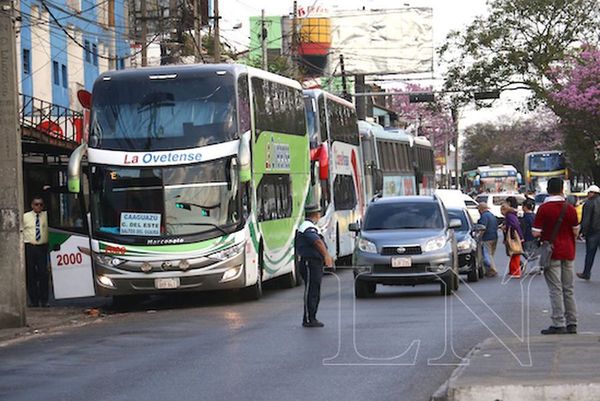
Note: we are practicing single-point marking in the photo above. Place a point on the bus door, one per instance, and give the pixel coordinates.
(69, 244)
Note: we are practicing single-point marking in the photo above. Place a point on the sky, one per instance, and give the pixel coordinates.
(447, 15)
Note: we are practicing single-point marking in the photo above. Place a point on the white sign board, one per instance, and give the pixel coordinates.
(71, 268)
(144, 224)
(383, 42)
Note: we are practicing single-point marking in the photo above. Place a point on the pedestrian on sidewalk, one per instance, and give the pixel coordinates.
(489, 238)
(590, 229)
(530, 243)
(35, 236)
(557, 218)
(512, 235)
(312, 253)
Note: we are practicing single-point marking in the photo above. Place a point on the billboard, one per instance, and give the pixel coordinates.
(393, 41)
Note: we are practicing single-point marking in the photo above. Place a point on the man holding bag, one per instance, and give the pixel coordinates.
(556, 224)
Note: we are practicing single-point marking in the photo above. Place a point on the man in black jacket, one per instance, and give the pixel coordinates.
(590, 229)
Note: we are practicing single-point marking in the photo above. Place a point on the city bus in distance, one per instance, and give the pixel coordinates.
(406, 163)
(337, 180)
(371, 168)
(197, 178)
(497, 178)
(539, 167)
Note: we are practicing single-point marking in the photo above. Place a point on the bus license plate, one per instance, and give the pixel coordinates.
(166, 283)
(401, 262)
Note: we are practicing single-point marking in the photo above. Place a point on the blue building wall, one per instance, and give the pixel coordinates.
(92, 35)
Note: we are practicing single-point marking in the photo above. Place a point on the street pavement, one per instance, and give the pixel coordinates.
(401, 345)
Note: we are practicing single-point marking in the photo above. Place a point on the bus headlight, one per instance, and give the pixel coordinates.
(230, 274)
(105, 281)
(228, 253)
(108, 260)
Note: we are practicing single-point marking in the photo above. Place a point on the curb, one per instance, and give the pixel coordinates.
(445, 391)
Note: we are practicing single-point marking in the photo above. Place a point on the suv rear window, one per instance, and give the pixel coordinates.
(404, 215)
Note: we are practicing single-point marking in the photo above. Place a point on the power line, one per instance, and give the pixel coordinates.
(145, 45)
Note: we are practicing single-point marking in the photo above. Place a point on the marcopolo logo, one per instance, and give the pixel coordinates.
(163, 158)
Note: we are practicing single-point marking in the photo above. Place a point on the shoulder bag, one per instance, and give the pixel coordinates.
(547, 247)
(513, 242)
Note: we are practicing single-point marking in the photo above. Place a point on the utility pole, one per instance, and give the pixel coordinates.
(12, 266)
(263, 41)
(454, 113)
(345, 94)
(217, 37)
(197, 32)
(144, 34)
(174, 39)
(361, 101)
(295, 40)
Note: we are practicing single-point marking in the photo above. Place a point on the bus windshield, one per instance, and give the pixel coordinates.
(546, 162)
(163, 202)
(141, 114)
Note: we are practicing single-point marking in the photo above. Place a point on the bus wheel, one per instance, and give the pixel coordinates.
(292, 279)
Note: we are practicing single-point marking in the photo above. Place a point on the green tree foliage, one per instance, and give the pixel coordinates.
(507, 142)
(518, 43)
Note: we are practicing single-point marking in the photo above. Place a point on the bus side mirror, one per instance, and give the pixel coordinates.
(377, 180)
(74, 169)
(245, 158)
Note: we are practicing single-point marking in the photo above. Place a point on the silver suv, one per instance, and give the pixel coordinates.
(405, 240)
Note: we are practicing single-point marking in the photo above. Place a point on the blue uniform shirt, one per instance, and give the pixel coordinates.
(306, 236)
(491, 226)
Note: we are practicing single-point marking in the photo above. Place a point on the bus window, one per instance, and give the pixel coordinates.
(274, 197)
(344, 192)
(243, 104)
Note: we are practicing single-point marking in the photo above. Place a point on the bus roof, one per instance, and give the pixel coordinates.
(395, 134)
(316, 93)
(191, 69)
(368, 129)
(496, 167)
(544, 152)
(423, 141)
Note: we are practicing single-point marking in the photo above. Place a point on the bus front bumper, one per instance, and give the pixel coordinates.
(202, 275)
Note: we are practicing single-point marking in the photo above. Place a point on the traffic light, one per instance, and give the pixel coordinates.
(421, 98)
(486, 95)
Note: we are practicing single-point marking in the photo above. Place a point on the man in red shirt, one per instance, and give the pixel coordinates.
(559, 276)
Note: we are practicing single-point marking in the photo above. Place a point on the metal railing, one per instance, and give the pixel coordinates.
(56, 122)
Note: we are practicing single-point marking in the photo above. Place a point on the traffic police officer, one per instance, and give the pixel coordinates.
(312, 254)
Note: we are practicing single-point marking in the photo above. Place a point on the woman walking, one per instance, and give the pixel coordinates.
(513, 237)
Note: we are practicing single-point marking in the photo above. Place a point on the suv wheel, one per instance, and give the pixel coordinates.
(363, 289)
(473, 274)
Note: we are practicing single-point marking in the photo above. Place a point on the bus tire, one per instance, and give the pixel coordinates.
(290, 280)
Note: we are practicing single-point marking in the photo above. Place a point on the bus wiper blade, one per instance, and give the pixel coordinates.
(202, 224)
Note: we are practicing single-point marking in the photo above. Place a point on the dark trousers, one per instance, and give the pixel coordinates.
(36, 259)
(592, 242)
(312, 274)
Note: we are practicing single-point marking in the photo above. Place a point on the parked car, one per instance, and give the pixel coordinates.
(495, 200)
(405, 240)
(456, 198)
(469, 245)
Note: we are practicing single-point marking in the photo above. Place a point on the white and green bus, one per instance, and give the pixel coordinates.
(196, 178)
(338, 183)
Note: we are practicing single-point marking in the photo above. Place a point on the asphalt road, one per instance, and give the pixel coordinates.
(400, 345)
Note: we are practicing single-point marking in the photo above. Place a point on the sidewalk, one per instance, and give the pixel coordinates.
(48, 320)
(564, 367)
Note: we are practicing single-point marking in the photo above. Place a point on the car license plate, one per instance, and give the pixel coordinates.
(401, 262)
(166, 283)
